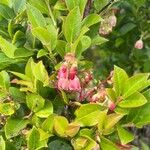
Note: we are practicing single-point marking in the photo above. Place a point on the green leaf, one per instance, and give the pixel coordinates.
(135, 100)
(34, 142)
(124, 135)
(111, 121)
(35, 17)
(2, 143)
(19, 5)
(106, 144)
(41, 53)
(84, 44)
(13, 126)
(16, 94)
(72, 129)
(85, 132)
(20, 75)
(6, 61)
(74, 3)
(46, 110)
(48, 124)
(42, 34)
(126, 28)
(59, 144)
(86, 143)
(53, 36)
(41, 74)
(22, 52)
(87, 114)
(4, 80)
(47, 36)
(35, 102)
(60, 125)
(111, 94)
(91, 20)
(40, 5)
(6, 108)
(135, 83)
(44, 135)
(119, 79)
(72, 25)
(6, 12)
(101, 121)
(140, 116)
(60, 48)
(99, 4)
(7, 48)
(29, 69)
(98, 40)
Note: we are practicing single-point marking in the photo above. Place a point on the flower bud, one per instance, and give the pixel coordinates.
(111, 105)
(70, 57)
(112, 21)
(139, 44)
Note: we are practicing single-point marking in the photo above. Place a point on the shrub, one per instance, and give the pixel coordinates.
(49, 96)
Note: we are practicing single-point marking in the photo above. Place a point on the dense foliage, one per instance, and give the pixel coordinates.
(49, 96)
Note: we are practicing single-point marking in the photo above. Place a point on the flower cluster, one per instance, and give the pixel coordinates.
(107, 25)
(67, 74)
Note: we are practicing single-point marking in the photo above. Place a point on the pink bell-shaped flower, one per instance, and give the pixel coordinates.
(63, 71)
(62, 84)
(74, 84)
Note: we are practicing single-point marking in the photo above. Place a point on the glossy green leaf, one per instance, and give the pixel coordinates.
(98, 40)
(140, 116)
(6, 108)
(60, 125)
(87, 114)
(111, 121)
(111, 94)
(6, 11)
(19, 5)
(134, 100)
(13, 126)
(2, 143)
(74, 3)
(135, 83)
(41, 74)
(35, 17)
(48, 124)
(72, 129)
(91, 20)
(30, 65)
(119, 78)
(46, 110)
(34, 142)
(4, 80)
(84, 44)
(72, 25)
(16, 94)
(7, 48)
(40, 5)
(124, 135)
(99, 4)
(59, 144)
(106, 144)
(35, 102)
